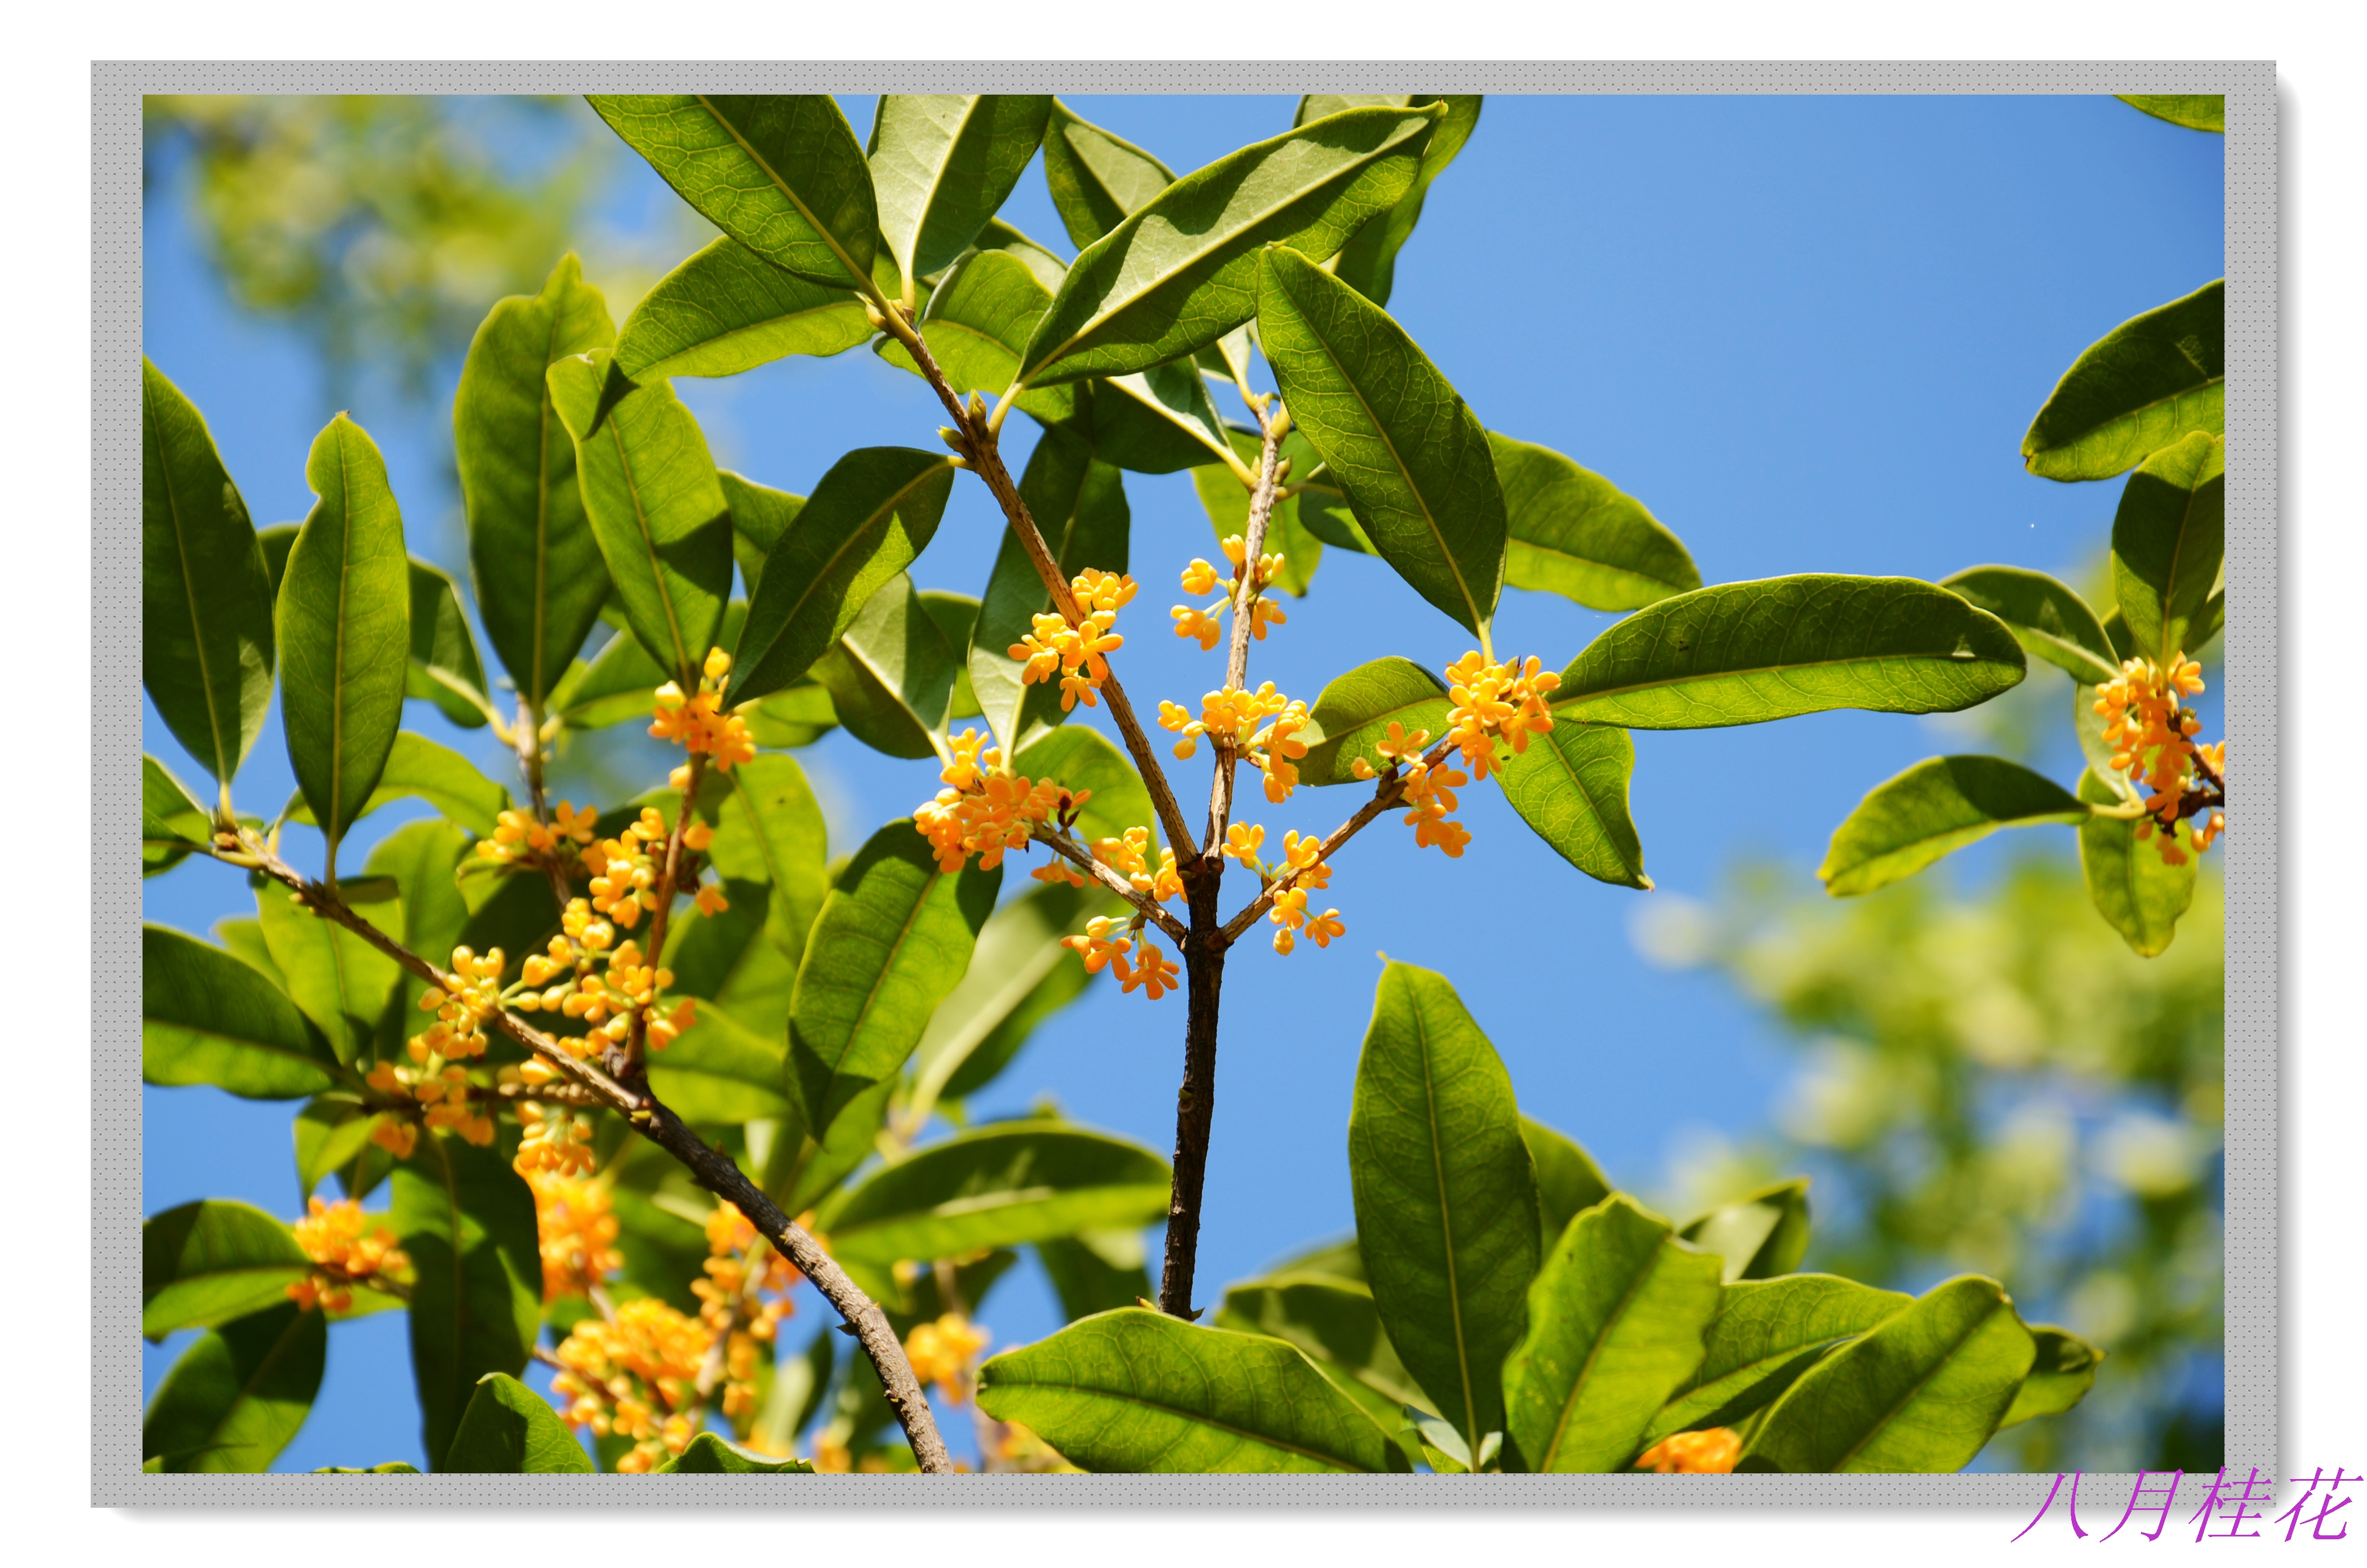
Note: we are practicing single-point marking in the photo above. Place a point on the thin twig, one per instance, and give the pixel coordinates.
(637, 1037)
(1076, 853)
(1391, 791)
(529, 755)
(1236, 655)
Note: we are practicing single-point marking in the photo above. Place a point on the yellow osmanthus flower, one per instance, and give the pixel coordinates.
(985, 812)
(1153, 973)
(1075, 653)
(743, 1297)
(1106, 939)
(471, 994)
(556, 1141)
(1711, 1452)
(943, 1351)
(699, 722)
(1428, 788)
(346, 1252)
(636, 1376)
(518, 838)
(578, 1233)
(2152, 733)
(1496, 702)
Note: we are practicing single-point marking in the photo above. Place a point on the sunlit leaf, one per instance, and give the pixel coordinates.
(509, 1429)
(1332, 1320)
(727, 310)
(1766, 1334)
(2169, 540)
(1368, 262)
(769, 828)
(2051, 621)
(206, 1018)
(172, 823)
(977, 323)
(237, 1396)
(1932, 809)
(720, 1072)
(1019, 976)
(1571, 784)
(2141, 387)
(2196, 111)
(2061, 1372)
(416, 766)
(1576, 533)
(1097, 179)
(337, 979)
(1095, 1271)
(999, 1185)
(203, 1264)
(942, 163)
(2139, 893)
(1354, 712)
(759, 515)
(1760, 1235)
(710, 1455)
(1569, 1181)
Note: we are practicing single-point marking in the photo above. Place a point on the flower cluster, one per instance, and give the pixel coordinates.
(578, 1232)
(2152, 737)
(1428, 788)
(519, 838)
(698, 721)
(943, 1351)
(1261, 726)
(1496, 702)
(346, 1253)
(1711, 1452)
(1105, 943)
(611, 987)
(636, 1376)
(984, 811)
(1302, 861)
(742, 1272)
(1130, 857)
(1074, 652)
(471, 994)
(1200, 578)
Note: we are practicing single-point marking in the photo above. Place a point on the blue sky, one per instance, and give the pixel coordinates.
(1807, 333)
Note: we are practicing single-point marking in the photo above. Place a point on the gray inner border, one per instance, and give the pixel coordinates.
(2253, 974)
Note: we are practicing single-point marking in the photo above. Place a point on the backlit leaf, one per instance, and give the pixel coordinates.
(1083, 760)
(727, 310)
(1760, 1235)
(2141, 387)
(1767, 1333)
(509, 1429)
(237, 1396)
(976, 324)
(1576, 533)
(443, 666)
(2139, 893)
(998, 1185)
(206, 1018)
(172, 823)
(2196, 111)
(1933, 809)
(2169, 541)
(418, 767)
(1019, 976)
(1332, 1320)
(942, 163)
(710, 1455)
(720, 1072)
(769, 828)
(1158, 420)
(1569, 1181)
(339, 981)
(1571, 786)
(2050, 621)
(2061, 1373)
(203, 1264)
(1097, 179)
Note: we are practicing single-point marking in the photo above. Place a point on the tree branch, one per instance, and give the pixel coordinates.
(1108, 876)
(1245, 592)
(529, 755)
(1391, 790)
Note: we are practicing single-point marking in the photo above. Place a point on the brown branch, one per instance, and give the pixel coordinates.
(1108, 876)
(1236, 656)
(637, 1037)
(711, 1168)
(529, 755)
(1391, 790)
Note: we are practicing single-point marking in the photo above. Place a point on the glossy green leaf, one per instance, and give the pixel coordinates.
(812, 1169)
(2169, 541)
(203, 1264)
(1084, 760)
(1747, 652)
(1368, 262)
(1354, 712)
(1050, 269)
(1616, 1318)
(873, 513)
(276, 541)
(890, 678)
(443, 665)
(1226, 500)
(1401, 443)
(1920, 1394)
(759, 515)
(1445, 1194)
(1181, 271)
(2062, 1370)
(335, 978)
(1097, 179)
(330, 1135)
(418, 767)
(2140, 895)
(206, 624)
(539, 578)
(998, 1185)
(1159, 420)
(977, 323)
(466, 1221)
(727, 310)
(1760, 1235)
(1766, 1334)
(2049, 620)
(1569, 1181)
(1095, 1271)
(343, 629)
(1332, 1320)
(722, 1073)
(780, 173)
(2196, 111)
(710, 1455)
(657, 510)
(956, 618)
(893, 937)
(1932, 809)
(1079, 504)
(798, 715)
(1574, 533)
(1026, 948)
(1137, 1391)
(206, 1018)
(2087, 725)
(2141, 387)
(172, 823)
(236, 1396)
(942, 163)
(769, 828)
(1323, 510)
(509, 1429)
(1571, 784)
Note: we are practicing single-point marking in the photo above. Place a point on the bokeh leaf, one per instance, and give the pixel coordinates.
(236, 1396)
(2062, 1370)
(509, 1429)
(727, 310)
(2050, 621)
(2169, 540)
(207, 1018)
(203, 1264)
(1932, 809)
(1766, 1334)
(998, 1185)
(1571, 784)
(1574, 533)
(2141, 387)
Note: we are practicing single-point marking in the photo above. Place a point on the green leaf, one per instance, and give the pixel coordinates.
(1368, 262)
(1569, 1181)
(800, 715)
(2196, 111)
(710, 1455)
(1766, 1334)
(812, 1169)
(539, 578)
(421, 857)
(780, 173)
(509, 1429)
(1097, 179)
(206, 622)
(956, 618)
(869, 517)
(2169, 541)
(1136, 1391)
(1574, 533)
(2141, 387)
(345, 630)
(416, 766)
(770, 830)
(466, 1221)
(657, 510)
(203, 1264)
(2046, 617)
(1932, 809)
(1616, 1317)
(1084, 760)
(727, 310)
(976, 324)
(890, 678)
(893, 937)
(236, 1396)
(338, 980)
(206, 1018)
(1445, 1193)
(1016, 980)
(330, 1135)
(1323, 511)
(1747, 652)
(1399, 441)
(171, 821)
(2089, 726)
(1920, 1394)
(443, 666)
(1571, 784)
(276, 541)
(997, 235)
(1079, 504)
(1159, 420)
(1332, 1320)
(722, 1073)
(1759, 1236)
(2140, 895)
(1354, 714)
(759, 515)
(1181, 271)
(1227, 502)
(998, 1185)
(2062, 1370)
(942, 163)
(1095, 1271)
